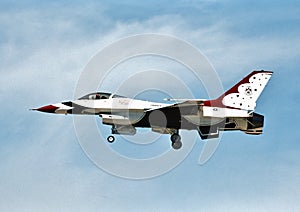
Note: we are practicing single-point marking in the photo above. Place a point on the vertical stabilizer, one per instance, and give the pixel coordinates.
(244, 94)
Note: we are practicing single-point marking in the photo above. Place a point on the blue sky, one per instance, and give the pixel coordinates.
(45, 46)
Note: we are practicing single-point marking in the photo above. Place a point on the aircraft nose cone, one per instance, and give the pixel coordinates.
(47, 109)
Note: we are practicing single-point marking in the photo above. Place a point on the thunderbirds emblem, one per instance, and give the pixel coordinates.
(248, 91)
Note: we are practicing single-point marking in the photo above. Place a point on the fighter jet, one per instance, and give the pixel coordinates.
(233, 110)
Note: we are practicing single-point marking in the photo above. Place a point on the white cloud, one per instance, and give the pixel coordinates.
(42, 43)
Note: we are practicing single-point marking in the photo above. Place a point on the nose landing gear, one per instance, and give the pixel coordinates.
(110, 139)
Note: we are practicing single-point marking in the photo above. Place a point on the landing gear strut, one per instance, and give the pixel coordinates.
(176, 141)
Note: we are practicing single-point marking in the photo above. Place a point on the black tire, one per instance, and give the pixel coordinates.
(175, 138)
(110, 139)
(177, 145)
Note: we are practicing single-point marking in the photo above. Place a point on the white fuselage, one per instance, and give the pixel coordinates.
(134, 110)
(115, 105)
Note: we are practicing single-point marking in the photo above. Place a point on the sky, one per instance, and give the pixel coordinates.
(44, 48)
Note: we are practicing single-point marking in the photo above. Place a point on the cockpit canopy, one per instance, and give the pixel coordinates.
(100, 95)
(97, 95)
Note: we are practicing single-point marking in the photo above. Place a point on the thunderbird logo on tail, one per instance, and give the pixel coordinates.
(233, 110)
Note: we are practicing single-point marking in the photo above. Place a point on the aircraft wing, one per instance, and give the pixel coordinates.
(172, 116)
(182, 106)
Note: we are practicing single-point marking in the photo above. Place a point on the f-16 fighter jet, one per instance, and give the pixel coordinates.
(233, 110)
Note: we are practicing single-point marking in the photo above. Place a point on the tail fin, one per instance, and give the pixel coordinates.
(244, 94)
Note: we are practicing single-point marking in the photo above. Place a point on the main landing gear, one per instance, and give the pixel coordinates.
(176, 141)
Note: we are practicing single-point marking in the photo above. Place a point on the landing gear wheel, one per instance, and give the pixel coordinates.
(176, 145)
(175, 138)
(176, 141)
(110, 139)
